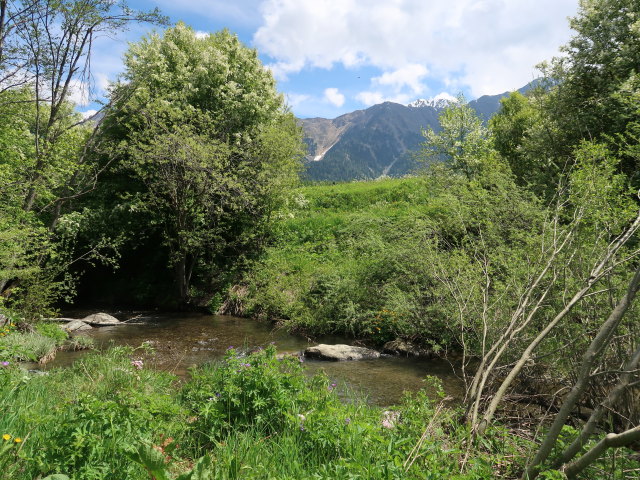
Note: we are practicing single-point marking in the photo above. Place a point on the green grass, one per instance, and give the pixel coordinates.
(265, 420)
(367, 258)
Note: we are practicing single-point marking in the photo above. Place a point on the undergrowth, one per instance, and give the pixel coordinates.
(256, 416)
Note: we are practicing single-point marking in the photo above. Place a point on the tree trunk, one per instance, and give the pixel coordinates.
(180, 271)
(612, 440)
(597, 346)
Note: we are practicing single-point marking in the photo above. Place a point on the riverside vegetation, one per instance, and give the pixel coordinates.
(516, 250)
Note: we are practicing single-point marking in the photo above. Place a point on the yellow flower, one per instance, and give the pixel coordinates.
(6, 436)
(17, 440)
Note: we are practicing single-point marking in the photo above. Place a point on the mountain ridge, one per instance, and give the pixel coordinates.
(379, 140)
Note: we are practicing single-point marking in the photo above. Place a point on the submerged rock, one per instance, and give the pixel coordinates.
(340, 352)
(404, 348)
(101, 319)
(76, 326)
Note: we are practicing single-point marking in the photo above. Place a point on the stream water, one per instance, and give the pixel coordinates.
(183, 340)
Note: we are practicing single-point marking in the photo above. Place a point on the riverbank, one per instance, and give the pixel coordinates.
(253, 416)
(182, 340)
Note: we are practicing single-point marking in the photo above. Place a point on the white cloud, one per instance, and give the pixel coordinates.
(296, 99)
(88, 113)
(369, 98)
(445, 96)
(410, 76)
(487, 45)
(333, 96)
(200, 34)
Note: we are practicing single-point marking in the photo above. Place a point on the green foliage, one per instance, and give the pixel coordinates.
(206, 146)
(26, 347)
(371, 258)
(53, 331)
(71, 422)
(154, 461)
(463, 141)
(589, 93)
(260, 390)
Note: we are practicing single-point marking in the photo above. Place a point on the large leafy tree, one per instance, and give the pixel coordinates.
(207, 145)
(45, 56)
(589, 93)
(462, 142)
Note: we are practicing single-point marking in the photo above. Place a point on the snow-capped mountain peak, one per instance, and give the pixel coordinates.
(438, 102)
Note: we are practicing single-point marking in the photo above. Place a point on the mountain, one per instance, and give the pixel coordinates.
(380, 140)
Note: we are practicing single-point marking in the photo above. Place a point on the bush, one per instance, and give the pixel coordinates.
(53, 331)
(255, 391)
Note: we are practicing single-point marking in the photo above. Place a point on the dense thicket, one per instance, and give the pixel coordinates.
(176, 179)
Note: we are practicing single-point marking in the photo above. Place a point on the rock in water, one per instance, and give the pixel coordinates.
(76, 326)
(340, 352)
(100, 320)
(404, 348)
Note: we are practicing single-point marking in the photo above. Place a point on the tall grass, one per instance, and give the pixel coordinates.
(368, 258)
(266, 420)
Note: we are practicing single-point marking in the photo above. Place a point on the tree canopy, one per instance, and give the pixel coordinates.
(199, 127)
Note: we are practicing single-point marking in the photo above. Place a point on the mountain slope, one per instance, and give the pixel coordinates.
(378, 141)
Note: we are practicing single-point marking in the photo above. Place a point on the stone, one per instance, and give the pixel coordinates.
(76, 326)
(340, 352)
(404, 348)
(60, 320)
(101, 320)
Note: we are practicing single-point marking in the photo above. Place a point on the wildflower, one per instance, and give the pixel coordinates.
(389, 419)
(17, 440)
(302, 417)
(331, 387)
(6, 436)
(137, 364)
(5, 364)
(347, 420)
(302, 428)
(230, 347)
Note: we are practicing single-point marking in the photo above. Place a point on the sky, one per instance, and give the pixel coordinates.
(331, 57)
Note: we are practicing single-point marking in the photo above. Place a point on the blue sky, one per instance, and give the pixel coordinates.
(335, 56)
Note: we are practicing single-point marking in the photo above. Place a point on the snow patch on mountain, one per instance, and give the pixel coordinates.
(439, 102)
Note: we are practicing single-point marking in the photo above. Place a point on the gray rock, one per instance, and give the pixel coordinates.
(404, 348)
(76, 326)
(60, 320)
(100, 320)
(340, 352)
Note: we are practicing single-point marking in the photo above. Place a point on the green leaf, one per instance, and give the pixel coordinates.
(152, 460)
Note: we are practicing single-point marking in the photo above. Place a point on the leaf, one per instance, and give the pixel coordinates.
(152, 460)
(202, 470)
(56, 476)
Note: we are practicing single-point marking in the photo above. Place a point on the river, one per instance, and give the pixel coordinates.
(182, 340)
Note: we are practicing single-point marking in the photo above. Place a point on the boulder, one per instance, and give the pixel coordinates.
(60, 320)
(76, 326)
(403, 348)
(101, 320)
(340, 352)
